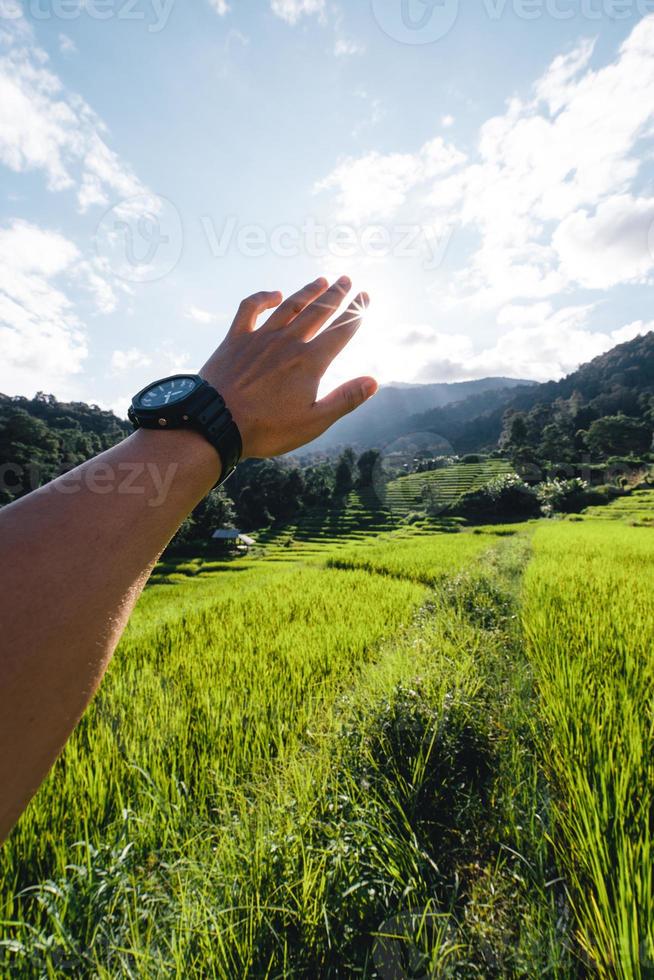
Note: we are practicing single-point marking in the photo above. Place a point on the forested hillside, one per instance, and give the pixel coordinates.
(41, 437)
(561, 419)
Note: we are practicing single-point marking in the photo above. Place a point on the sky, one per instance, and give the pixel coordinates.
(484, 170)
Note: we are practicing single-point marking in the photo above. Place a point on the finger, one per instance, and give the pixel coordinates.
(331, 341)
(294, 305)
(309, 322)
(344, 400)
(246, 317)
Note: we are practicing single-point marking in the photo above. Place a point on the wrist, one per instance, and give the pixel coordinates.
(197, 464)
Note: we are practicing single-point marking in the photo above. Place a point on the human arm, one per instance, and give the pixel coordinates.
(76, 554)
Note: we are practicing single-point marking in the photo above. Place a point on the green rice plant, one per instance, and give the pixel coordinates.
(297, 760)
(405, 799)
(590, 631)
(426, 559)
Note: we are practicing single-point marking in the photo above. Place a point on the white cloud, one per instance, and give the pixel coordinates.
(144, 366)
(95, 278)
(67, 45)
(540, 345)
(344, 48)
(199, 315)
(555, 199)
(220, 6)
(292, 10)
(632, 330)
(611, 246)
(42, 341)
(44, 127)
(126, 360)
(447, 121)
(377, 185)
(571, 148)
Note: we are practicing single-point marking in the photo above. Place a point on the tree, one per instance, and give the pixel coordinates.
(251, 509)
(318, 485)
(555, 445)
(215, 512)
(504, 497)
(368, 465)
(344, 475)
(516, 434)
(288, 491)
(619, 435)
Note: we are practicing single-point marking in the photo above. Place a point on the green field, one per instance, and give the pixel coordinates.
(368, 748)
(446, 486)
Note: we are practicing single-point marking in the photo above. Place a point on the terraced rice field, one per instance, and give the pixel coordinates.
(446, 486)
(637, 509)
(361, 517)
(402, 753)
(368, 513)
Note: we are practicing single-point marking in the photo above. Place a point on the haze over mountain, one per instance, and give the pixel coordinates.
(387, 415)
(469, 416)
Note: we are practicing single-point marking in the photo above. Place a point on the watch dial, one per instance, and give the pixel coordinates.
(167, 392)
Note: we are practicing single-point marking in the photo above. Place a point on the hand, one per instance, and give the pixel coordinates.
(269, 376)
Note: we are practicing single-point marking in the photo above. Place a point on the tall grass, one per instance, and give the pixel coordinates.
(209, 687)
(427, 559)
(272, 805)
(357, 765)
(590, 629)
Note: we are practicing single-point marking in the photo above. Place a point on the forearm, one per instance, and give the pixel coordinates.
(76, 554)
(97, 531)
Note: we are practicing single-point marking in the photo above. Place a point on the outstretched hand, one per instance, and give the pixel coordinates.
(269, 376)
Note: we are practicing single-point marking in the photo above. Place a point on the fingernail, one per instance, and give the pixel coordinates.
(365, 300)
(369, 388)
(345, 282)
(321, 282)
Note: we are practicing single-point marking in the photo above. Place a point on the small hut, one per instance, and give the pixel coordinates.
(229, 539)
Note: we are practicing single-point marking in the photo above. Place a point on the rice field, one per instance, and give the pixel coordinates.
(444, 486)
(371, 749)
(589, 628)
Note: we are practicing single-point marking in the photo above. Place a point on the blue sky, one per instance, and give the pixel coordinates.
(483, 169)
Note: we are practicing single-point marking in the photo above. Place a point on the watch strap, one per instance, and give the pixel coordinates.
(207, 412)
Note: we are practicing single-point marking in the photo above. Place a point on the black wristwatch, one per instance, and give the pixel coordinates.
(187, 401)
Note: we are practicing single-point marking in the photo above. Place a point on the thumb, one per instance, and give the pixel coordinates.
(345, 399)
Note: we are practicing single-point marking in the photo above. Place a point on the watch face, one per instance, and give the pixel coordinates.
(167, 392)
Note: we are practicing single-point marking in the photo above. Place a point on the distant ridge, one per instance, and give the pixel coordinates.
(621, 380)
(385, 416)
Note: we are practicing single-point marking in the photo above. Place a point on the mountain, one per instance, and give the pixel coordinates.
(618, 382)
(388, 415)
